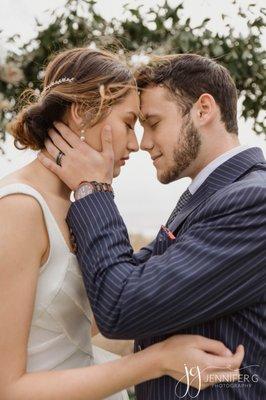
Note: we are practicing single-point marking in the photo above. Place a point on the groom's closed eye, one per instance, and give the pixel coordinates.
(150, 120)
(154, 124)
(150, 123)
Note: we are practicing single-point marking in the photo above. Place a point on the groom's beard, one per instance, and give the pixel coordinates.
(186, 151)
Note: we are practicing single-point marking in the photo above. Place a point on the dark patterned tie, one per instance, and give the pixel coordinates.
(185, 197)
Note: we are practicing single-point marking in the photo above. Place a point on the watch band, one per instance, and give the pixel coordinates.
(87, 188)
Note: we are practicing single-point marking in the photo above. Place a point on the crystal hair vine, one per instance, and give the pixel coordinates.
(58, 82)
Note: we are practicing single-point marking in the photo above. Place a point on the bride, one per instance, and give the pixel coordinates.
(46, 322)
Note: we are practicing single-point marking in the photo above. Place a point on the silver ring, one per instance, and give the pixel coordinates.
(59, 158)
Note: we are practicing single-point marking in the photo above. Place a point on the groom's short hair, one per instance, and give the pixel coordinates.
(188, 76)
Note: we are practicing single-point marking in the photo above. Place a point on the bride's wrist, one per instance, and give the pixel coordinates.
(157, 360)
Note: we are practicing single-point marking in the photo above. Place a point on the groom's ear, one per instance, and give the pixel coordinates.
(205, 110)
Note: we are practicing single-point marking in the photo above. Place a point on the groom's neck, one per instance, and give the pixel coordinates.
(212, 149)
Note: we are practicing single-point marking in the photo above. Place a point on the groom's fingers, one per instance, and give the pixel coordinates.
(50, 164)
(59, 142)
(51, 148)
(68, 134)
(107, 145)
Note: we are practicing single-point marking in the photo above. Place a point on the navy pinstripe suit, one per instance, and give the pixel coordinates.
(210, 280)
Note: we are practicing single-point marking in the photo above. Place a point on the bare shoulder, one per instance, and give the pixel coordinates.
(24, 227)
(19, 204)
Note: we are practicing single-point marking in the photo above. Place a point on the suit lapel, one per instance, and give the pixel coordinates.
(222, 176)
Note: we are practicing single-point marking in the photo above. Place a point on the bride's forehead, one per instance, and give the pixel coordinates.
(129, 106)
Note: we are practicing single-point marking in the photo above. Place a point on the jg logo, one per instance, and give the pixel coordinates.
(195, 375)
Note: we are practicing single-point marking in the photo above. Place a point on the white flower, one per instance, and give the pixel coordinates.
(139, 60)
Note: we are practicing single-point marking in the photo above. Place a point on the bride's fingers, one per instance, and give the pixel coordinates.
(59, 142)
(220, 376)
(213, 346)
(229, 363)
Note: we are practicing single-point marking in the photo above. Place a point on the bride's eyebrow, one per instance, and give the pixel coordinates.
(135, 116)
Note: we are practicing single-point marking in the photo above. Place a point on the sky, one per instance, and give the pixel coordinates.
(143, 202)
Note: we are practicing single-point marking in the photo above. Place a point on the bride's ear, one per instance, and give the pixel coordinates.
(75, 115)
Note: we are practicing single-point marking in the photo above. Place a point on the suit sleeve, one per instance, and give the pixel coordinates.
(216, 267)
(144, 253)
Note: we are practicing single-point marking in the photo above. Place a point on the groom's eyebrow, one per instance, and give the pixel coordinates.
(146, 117)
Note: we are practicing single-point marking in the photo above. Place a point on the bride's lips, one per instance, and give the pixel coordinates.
(122, 161)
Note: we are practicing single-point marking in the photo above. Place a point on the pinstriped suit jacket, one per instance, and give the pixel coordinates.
(210, 280)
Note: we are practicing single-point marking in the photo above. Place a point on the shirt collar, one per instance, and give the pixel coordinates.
(206, 171)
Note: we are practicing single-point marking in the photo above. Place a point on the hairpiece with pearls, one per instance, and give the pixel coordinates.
(58, 82)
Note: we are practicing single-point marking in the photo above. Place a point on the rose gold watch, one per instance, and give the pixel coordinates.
(87, 188)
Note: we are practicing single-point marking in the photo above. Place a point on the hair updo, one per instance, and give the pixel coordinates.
(100, 80)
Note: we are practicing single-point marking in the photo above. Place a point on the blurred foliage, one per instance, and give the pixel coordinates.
(160, 30)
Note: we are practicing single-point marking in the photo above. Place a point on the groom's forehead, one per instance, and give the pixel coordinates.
(152, 100)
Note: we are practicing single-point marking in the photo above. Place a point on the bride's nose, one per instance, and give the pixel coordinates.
(133, 144)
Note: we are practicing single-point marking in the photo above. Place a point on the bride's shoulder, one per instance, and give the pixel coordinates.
(19, 207)
(21, 211)
(24, 228)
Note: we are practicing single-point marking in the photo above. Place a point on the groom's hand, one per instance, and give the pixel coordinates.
(79, 162)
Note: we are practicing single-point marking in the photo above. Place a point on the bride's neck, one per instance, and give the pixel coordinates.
(47, 179)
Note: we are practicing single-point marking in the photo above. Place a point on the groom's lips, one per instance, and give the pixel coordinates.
(154, 158)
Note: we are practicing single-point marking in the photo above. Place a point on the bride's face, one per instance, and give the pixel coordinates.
(122, 119)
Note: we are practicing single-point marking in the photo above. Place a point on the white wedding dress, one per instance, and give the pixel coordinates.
(60, 334)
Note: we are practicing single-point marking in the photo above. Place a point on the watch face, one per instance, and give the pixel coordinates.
(88, 188)
(84, 190)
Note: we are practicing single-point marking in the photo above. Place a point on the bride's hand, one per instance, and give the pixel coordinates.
(206, 361)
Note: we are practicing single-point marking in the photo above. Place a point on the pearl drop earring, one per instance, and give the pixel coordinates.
(82, 137)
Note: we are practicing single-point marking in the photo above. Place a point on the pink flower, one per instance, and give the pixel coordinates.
(10, 73)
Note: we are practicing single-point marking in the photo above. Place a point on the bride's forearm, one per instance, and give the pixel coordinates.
(120, 347)
(89, 383)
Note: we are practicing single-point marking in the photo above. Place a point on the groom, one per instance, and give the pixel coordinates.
(205, 272)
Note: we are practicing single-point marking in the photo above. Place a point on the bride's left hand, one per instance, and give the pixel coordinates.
(80, 162)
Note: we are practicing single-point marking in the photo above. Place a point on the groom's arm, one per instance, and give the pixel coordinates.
(212, 270)
(144, 253)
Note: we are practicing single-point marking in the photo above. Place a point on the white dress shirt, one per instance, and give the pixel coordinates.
(206, 171)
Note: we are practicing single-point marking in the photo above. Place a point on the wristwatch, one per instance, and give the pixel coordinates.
(87, 188)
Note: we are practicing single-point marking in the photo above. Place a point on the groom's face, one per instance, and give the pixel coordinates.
(171, 139)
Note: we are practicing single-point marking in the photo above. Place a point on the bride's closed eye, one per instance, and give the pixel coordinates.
(129, 126)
